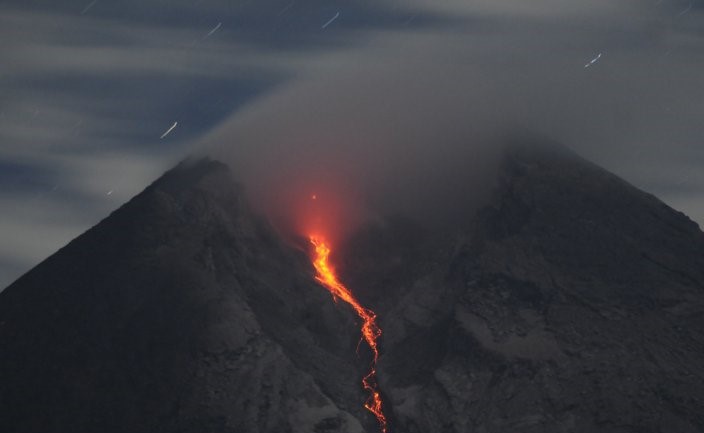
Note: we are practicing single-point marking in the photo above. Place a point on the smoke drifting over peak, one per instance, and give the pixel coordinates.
(386, 108)
(366, 138)
(407, 122)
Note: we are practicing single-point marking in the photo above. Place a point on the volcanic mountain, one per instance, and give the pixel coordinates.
(570, 302)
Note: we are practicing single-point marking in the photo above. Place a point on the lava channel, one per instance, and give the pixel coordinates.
(370, 330)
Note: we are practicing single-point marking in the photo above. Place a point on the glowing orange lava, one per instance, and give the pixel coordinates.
(370, 330)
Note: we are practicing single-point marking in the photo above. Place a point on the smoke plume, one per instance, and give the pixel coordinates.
(408, 122)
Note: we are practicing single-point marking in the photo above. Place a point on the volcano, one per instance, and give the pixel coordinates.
(570, 302)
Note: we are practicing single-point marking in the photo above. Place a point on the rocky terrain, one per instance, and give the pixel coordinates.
(181, 312)
(571, 302)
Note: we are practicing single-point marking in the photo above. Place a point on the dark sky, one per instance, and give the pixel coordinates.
(89, 87)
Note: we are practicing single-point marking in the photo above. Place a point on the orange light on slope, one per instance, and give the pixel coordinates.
(370, 330)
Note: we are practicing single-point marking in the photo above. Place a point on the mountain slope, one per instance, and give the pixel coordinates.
(179, 312)
(573, 302)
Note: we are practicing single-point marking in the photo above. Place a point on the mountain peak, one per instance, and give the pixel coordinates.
(572, 303)
(176, 313)
(190, 172)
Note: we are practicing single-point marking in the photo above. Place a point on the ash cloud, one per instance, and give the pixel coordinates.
(405, 122)
(366, 136)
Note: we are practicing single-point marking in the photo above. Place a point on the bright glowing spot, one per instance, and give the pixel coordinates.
(370, 330)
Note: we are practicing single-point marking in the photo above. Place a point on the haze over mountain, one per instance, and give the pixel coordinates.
(90, 89)
(570, 302)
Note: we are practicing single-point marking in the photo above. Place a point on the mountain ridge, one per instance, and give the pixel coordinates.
(571, 302)
(157, 301)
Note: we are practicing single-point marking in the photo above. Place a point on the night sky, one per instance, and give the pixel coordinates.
(98, 98)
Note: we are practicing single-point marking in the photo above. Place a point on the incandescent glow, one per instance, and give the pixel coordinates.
(370, 330)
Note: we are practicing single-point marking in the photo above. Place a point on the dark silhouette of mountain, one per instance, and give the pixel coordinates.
(571, 302)
(180, 312)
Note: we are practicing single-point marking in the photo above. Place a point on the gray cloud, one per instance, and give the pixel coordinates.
(403, 117)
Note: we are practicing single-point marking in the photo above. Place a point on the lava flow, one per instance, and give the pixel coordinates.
(370, 330)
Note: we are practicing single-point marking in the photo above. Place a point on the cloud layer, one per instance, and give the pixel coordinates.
(402, 120)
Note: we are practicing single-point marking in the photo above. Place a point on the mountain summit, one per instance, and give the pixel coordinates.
(571, 302)
(180, 312)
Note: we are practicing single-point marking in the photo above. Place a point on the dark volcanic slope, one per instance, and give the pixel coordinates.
(575, 303)
(179, 312)
(572, 302)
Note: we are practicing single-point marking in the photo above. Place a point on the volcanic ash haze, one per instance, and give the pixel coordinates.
(362, 144)
(400, 122)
